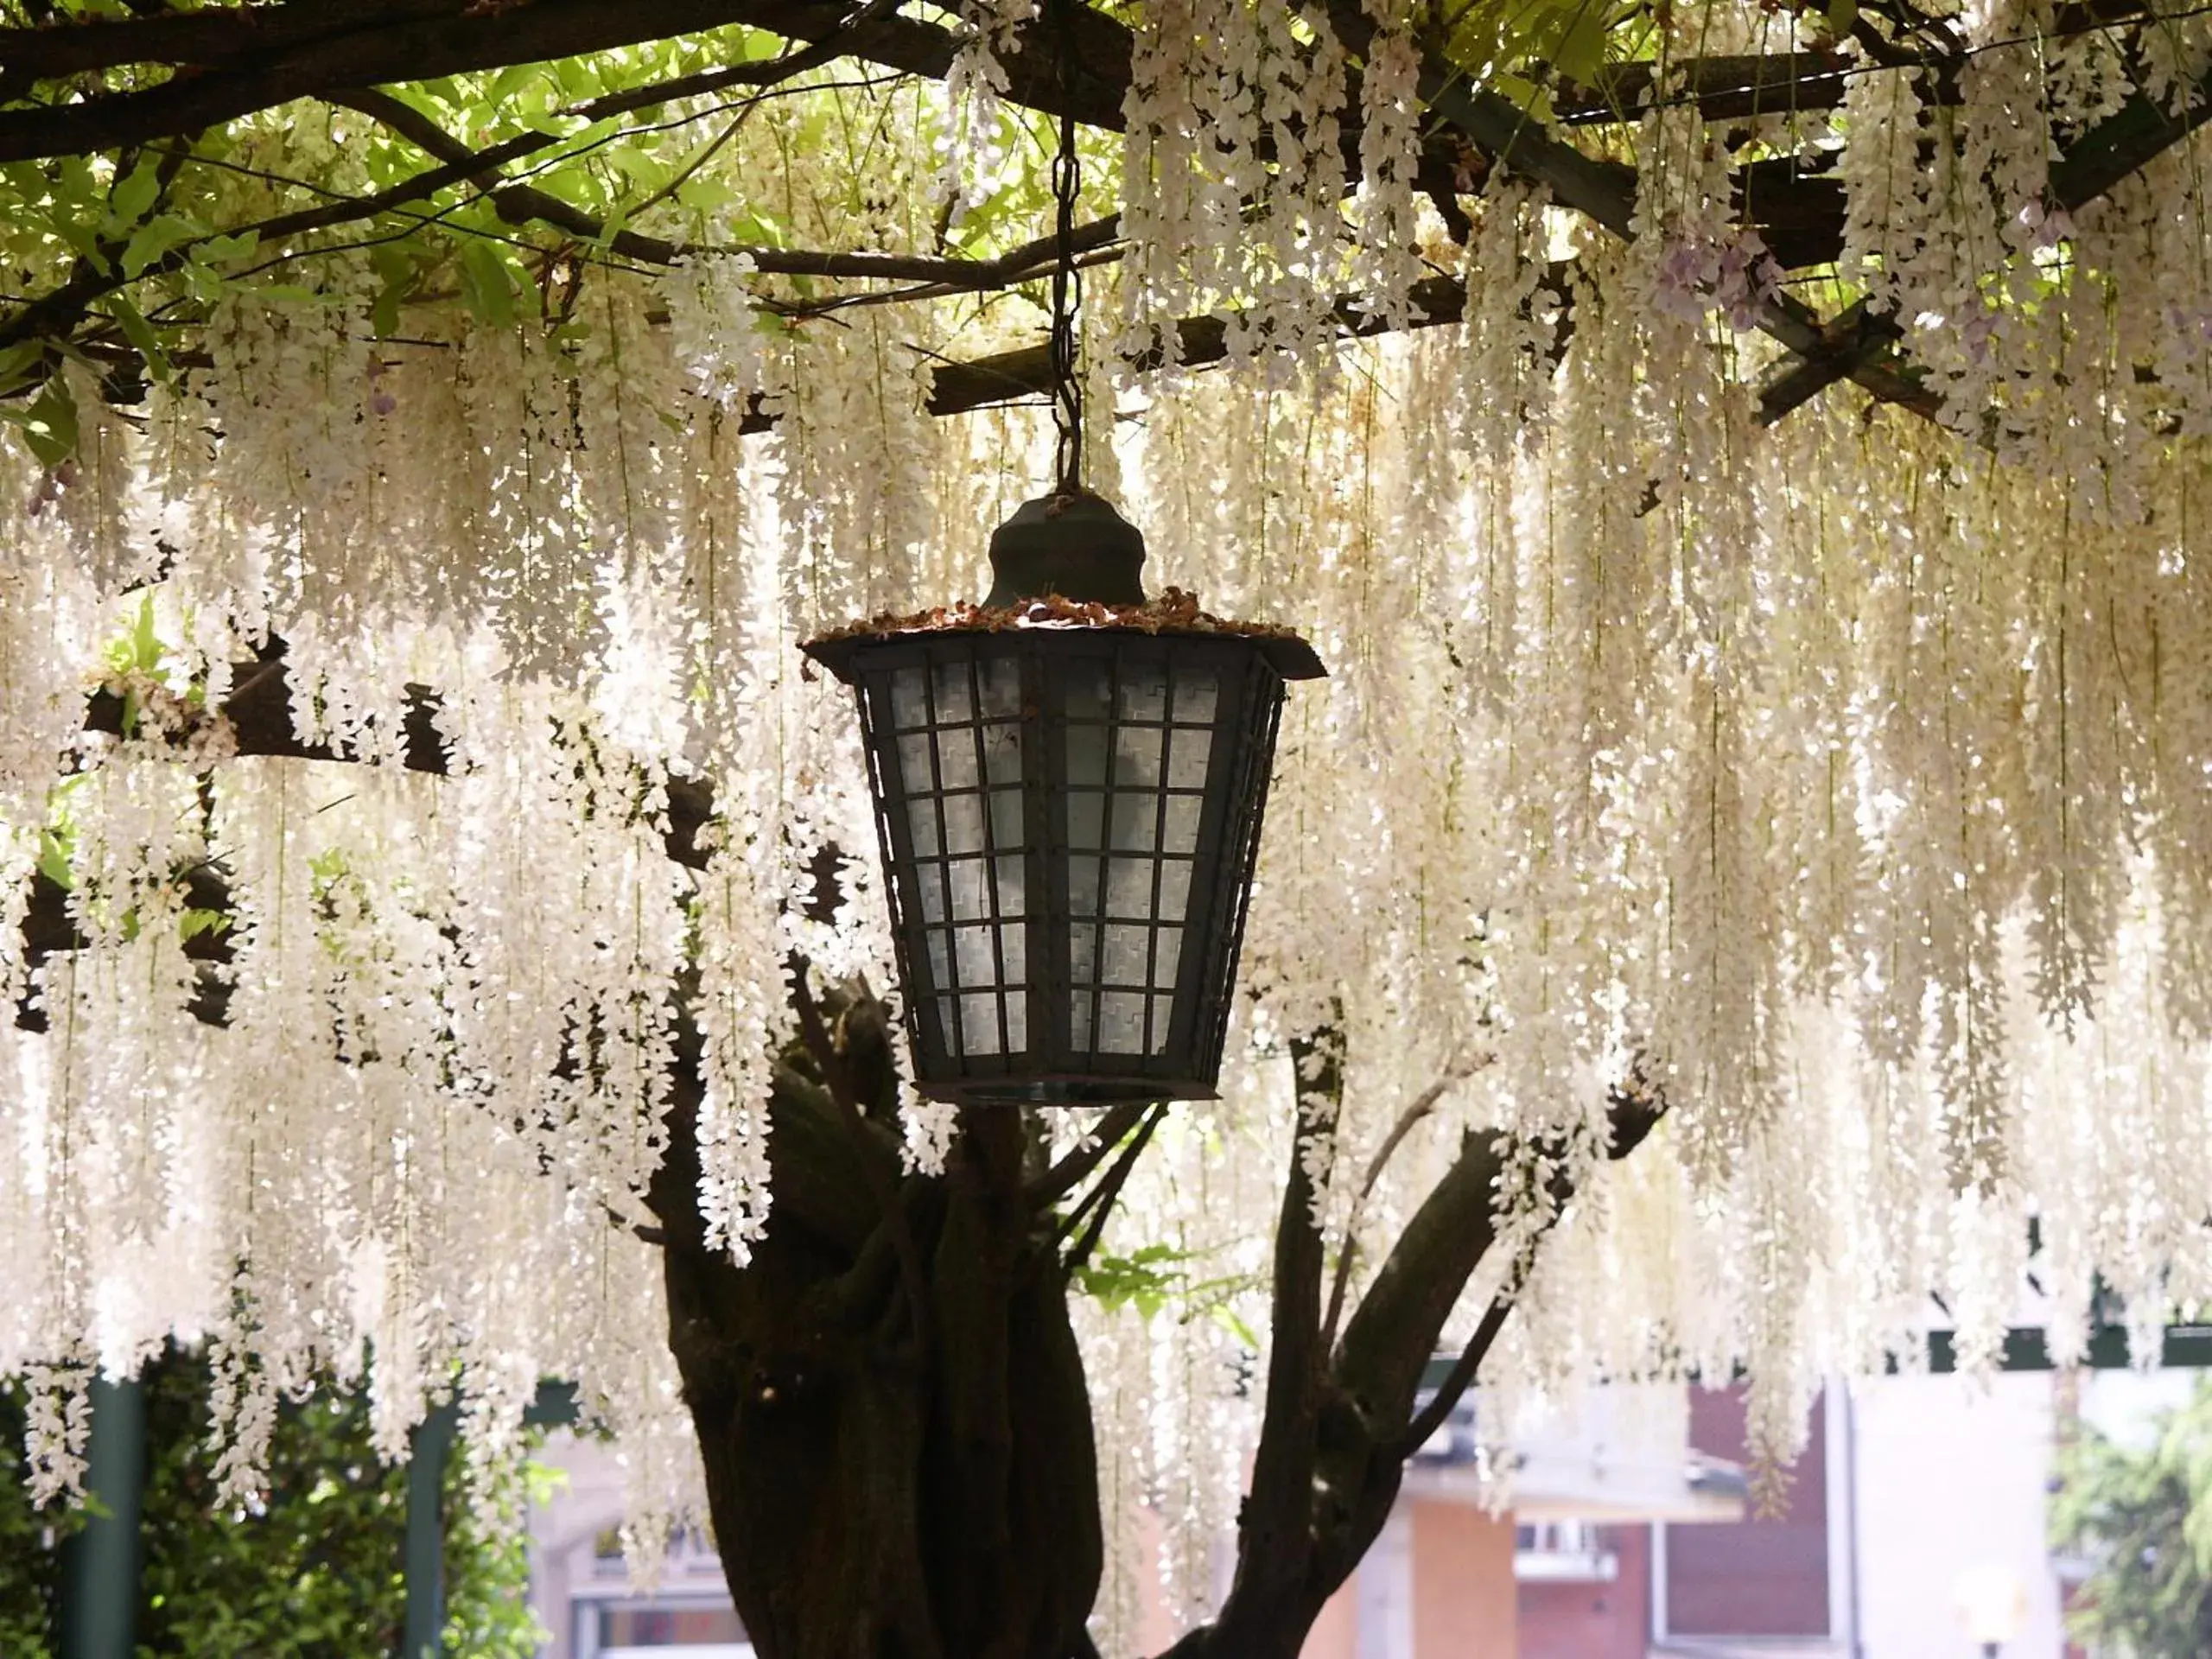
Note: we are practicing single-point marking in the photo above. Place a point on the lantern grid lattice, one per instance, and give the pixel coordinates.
(1070, 817)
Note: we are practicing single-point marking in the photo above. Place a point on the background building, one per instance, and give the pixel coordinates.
(1627, 1534)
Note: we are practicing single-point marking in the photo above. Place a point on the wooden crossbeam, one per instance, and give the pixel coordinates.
(247, 58)
(1859, 338)
(1602, 191)
(259, 712)
(235, 60)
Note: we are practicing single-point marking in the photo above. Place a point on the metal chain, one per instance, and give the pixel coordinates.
(1067, 281)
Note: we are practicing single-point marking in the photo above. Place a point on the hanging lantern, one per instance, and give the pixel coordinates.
(1068, 787)
(1068, 796)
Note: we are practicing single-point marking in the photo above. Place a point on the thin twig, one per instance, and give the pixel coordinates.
(1421, 1106)
(1071, 1170)
(1101, 1200)
(521, 201)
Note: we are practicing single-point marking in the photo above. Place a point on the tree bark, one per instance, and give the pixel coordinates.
(892, 1409)
(889, 1401)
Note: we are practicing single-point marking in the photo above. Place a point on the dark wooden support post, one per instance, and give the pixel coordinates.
(422, 1633)
(100, 1565)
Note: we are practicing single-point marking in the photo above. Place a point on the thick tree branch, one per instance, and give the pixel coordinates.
(1273, 1530)
(1296, 1550)
(1635, 1110)
(830, 1056)
(198, 39)
(418, 42)
(1433, 1415)
(1416, 1113)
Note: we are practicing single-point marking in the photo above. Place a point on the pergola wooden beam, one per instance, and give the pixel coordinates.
(259, 713)
(1733, 87)
(1601, 191)
(1859, 338)
(246, 58)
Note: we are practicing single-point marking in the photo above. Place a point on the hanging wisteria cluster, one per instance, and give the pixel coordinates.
(1845, 779)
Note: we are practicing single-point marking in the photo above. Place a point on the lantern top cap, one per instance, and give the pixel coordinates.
(1070, 542)
(1173, 615)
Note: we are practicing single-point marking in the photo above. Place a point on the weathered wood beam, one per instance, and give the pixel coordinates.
(259, 713)
(1859, 338)
(1601, 191)
(199, 39)
(1732, 87)
(1728, 88)
(1014, 376)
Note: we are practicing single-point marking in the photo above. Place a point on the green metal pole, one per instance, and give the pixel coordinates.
(421, 1636)
(99, 1563)
(2181, 1347)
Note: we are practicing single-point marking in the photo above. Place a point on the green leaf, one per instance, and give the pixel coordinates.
(511, 80)
(1580, 52)
(50, 423)
(195, 921)
(54, 847)
(643, 169)
(217, 249)
(1537, 100)
(152, 242)
(704, 193)
(140, 334)
(1243, 1334)
(19, 362)
(384, 311)
(130, 198)
(146, 647)
(395, 264)
(1842, 14)
(487, 285)
(1146, 1279)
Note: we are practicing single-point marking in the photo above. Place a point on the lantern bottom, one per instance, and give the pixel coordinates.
(1065, 1090)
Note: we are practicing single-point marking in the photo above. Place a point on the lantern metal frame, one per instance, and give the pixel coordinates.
(1028, 880)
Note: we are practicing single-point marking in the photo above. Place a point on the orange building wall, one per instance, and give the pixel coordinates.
(1464, 1593)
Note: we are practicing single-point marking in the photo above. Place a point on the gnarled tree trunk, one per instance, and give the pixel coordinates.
(892, 1409)
(890, 1403)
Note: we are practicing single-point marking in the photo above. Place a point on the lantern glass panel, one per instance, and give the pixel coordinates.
(958, 742)
(910, 708)
(1120, 1023)
(1140, 750)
